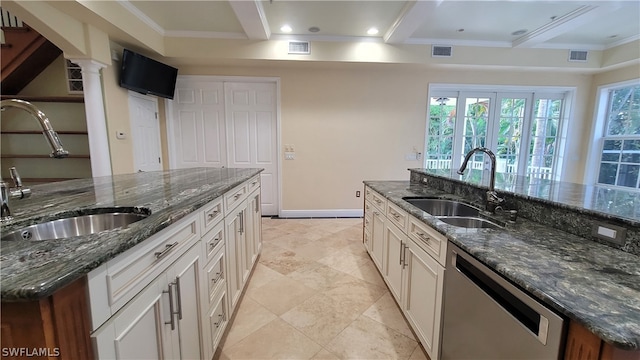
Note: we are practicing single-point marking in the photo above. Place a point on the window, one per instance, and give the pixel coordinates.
(523, 129)
(74, 77)
(619, 163)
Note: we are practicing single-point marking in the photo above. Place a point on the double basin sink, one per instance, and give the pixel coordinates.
(453, 212)
(90, 222)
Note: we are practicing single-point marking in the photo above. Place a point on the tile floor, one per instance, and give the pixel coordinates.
(316, 294)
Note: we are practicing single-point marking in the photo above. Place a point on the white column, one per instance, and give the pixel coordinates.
(96, 119)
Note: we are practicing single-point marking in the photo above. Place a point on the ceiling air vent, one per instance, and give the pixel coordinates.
(299, 47)
(441, 51)
(578, 55)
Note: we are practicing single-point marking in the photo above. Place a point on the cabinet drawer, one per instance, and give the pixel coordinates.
(131, 271)
(376, 199)
(217, 320)
(428, 239)
(397, 216)
(253, 184)
(215, 274)
(212, 214)
(234, 197)
(212, 240)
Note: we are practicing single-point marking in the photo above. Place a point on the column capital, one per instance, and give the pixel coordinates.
(89, 65)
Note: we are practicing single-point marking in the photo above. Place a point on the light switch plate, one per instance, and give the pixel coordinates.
(611, 233)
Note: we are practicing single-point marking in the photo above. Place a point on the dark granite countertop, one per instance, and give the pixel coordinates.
(33, 270)
(591, 283)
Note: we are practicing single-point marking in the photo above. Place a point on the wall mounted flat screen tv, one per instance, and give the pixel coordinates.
(147, 76)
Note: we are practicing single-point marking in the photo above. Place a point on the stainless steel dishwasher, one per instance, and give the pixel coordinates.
(486, 317)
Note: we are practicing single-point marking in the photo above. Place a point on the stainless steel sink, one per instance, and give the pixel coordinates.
(470, 222)
(443, 207)
(76, 226)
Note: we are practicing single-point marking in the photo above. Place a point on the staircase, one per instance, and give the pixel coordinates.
(23, 55)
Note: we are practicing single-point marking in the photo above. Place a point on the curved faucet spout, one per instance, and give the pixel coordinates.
(57, 151)
(493, 200)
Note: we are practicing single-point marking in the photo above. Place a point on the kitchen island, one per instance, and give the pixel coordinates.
(194, 201)
(592, 284)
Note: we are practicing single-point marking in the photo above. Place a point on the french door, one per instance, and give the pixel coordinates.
(521, 128)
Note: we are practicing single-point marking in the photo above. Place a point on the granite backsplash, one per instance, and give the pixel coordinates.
(560, 216)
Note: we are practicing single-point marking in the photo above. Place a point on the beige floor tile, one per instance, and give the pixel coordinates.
(320, 277)
(281, 295)
(357, 294)
(284, 261)
(321, 317)
(386, 312)
(368, 339)
(315, 250)
(250, 317)
(368, 272)
(343, 261)
(261, 276)
(325, 354)
(275, 340)
(294, 241)
(419, 354)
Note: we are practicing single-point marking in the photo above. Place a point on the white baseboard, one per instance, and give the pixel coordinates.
(321, 213)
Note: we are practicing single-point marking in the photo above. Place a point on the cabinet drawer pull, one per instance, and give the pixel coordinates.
(423, 236)
(395, 215)
(404, 257)
(378, 201)
(215, 242)
(160, 254)
(222, 318)
(213, 214)
(241, 215)
(236, 196)
(218, 277)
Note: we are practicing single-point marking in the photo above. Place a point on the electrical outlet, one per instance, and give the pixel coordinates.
(358, 193)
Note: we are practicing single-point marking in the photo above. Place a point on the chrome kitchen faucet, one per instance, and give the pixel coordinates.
(493, 200)
(57, 151)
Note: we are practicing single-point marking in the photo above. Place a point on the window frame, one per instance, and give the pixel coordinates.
(599, 130)
(496, 94)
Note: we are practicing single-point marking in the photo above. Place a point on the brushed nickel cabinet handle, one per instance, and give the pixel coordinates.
(160, 254)
(171, 309)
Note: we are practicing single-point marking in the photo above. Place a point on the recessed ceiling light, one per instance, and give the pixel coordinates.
(314, 29)
(613, 36)
(372, 31)
(286, 28)
(460, 30)
(519, 32)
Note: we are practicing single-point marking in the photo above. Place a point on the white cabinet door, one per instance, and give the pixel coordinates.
(236, 258)
(184, 274)
(142, 329)
(254, 228)
(377, 237)
(198, 124)
(394, 243)
(423, 286)
(251, 121)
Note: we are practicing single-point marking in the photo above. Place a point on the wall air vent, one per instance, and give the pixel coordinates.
(441, 51)
(299, 47)
(578, 55)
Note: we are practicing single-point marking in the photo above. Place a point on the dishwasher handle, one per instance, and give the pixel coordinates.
(526, 315)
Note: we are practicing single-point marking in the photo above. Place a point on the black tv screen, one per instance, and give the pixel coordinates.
(147, 76)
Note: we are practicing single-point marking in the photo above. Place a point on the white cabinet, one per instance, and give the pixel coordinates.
(236, 244)
(171, 296)
(410, 256)
(422, 301)
(395, 242)
(254, 227)
(184, 275)
(162, 321)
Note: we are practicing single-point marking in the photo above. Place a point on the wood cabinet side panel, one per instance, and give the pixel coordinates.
(582, 344)
(72, 324)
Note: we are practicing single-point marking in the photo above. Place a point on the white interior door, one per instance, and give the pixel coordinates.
(145, 132)
(251, 123)
(197, 129)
